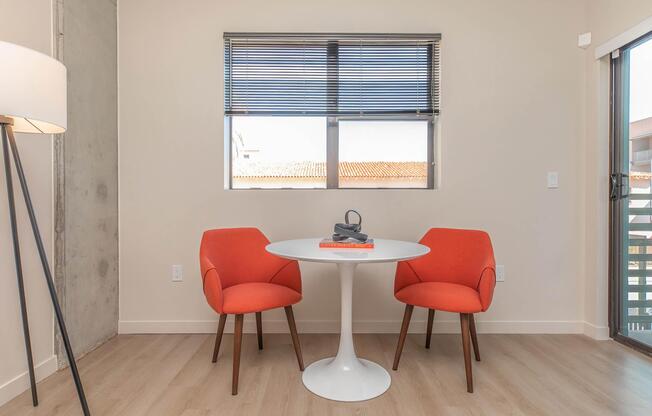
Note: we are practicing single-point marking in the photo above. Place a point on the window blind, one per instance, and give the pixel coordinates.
(319, 74)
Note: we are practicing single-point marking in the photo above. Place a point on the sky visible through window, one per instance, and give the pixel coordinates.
(292, 139)
(640, 82)
(383, 141)
(281, 139)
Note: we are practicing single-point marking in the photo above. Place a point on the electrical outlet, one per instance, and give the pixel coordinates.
(500, 273)
(177, 273)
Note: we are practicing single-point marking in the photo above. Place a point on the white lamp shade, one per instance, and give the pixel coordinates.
(32, 90)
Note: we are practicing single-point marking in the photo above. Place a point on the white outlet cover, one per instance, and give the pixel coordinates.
(500, 273)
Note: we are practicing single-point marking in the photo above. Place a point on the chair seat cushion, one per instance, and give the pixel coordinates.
(257, 297)
(441, 296)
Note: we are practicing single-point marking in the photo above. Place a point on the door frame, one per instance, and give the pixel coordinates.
(617, 115)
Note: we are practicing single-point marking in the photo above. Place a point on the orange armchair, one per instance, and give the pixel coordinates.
(240, 276)
(458, 275)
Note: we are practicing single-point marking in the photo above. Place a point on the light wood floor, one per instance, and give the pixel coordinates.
(519, 375)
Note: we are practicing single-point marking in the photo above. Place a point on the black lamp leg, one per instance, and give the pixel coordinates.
(46, 270)
(19, 266)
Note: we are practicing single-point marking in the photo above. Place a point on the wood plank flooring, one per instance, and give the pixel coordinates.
(520, 375)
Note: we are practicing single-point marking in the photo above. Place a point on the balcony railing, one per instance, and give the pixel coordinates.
(639, 273)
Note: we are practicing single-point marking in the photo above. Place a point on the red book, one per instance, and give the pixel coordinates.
(348, 243)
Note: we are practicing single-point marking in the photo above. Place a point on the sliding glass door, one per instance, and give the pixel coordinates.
(631, 194)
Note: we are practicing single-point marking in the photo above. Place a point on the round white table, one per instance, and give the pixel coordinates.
(346, 377)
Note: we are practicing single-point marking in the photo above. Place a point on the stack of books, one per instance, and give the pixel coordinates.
(348, 243)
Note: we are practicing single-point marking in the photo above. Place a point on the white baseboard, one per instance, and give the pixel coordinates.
(599, 333)
(361, 327)
(20, 383)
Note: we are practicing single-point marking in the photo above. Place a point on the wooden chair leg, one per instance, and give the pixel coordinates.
(218, 337)
(295, 337)
(259, 329)
(237, 344)
(401, 339)
(474, 337)
(466, 345)
(431, 318)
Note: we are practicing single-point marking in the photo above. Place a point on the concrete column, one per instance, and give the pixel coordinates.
(86, 174)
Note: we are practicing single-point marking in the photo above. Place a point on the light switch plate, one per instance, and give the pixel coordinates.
(177, 273)
(553, 180)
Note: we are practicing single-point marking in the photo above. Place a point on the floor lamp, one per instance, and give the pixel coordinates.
(32, 100)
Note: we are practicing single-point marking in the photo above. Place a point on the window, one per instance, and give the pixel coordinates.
(330, 111)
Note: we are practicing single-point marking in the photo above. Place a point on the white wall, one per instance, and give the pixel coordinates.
(28, 24)
(512, 104)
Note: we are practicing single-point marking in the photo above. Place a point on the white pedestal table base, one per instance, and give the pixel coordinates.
(363, 381)
(346, 377)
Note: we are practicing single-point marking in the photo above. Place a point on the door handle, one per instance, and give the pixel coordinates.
(618, 186)
(613, 186)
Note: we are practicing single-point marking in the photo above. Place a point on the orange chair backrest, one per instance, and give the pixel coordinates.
(238, 255)
(456, 256)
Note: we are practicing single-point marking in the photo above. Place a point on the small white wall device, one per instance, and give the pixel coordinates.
(584, 40)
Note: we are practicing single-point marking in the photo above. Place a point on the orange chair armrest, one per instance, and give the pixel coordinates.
(486, 286)
(288, 275)
(405, 276)
(213, 290)
(212, 284)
